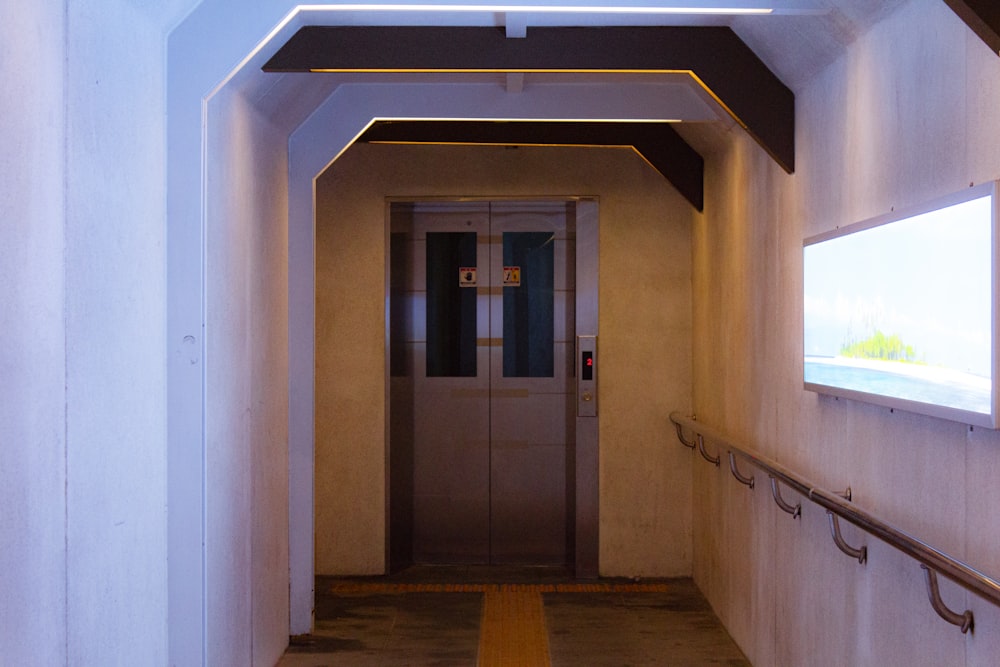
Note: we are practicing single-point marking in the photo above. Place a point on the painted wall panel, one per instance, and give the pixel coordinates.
(32, 338)
(228, 354)
(227, 428)
(246, 386)
(114, 178)
(83, 423)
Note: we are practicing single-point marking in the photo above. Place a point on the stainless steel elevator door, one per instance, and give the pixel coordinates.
(492, 341)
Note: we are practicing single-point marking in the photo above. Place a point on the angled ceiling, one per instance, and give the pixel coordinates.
(712, 59)
(658, 143)
(745, 65)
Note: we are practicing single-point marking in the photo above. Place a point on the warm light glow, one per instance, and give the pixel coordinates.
(535, 144)
(484, 70)
(526, 120)
(538, 9)
(492, 70)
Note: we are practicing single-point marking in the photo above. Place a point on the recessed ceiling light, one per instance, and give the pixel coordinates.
(694, 7)
(540, 9)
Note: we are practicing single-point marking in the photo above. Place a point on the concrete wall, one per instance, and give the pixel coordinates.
(32, 339)
(246, 384)
(115, 325)
(909, 113)
(644, 332)
(227, 331)
(82, 422)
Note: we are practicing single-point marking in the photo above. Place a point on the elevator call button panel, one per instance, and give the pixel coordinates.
(586, 376)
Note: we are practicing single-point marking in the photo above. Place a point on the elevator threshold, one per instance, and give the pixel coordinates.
(483, 574)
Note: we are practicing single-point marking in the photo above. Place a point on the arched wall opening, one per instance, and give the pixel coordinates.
(244, 152)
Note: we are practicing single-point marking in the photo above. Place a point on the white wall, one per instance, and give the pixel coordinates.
(645, 296)
(227, 337)
(246, 385)
(115, 324)
(908, 114)
(83, 422)
(32, 339)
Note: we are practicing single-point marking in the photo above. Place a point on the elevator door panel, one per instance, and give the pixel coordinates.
(493, 427)
(531, 377)
(451, 462)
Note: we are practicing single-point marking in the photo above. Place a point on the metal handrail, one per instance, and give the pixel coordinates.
(933, 560)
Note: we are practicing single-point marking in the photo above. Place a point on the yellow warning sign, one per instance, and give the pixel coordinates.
(512, 276)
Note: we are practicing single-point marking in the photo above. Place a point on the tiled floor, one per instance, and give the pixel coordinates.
(534, 617)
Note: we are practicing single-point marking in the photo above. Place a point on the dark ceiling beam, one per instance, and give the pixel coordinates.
(714, 56)
(983, 17)
(658, 143)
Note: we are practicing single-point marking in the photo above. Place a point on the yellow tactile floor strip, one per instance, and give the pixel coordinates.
(512, 632)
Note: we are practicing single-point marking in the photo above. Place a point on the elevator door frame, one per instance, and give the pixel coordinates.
(584, 552)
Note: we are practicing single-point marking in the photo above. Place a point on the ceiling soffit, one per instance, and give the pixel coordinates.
(658, 143)
(714, 58)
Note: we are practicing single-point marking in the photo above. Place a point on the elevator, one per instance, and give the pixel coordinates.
(491, 372)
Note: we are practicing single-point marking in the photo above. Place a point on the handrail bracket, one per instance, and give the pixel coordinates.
(794, 510)
(680, 436)
(741, 478)
(964, 620)
(705, 455)
(861, 554)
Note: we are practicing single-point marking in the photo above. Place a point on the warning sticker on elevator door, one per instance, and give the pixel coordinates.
(467, 276)
(512, 276)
